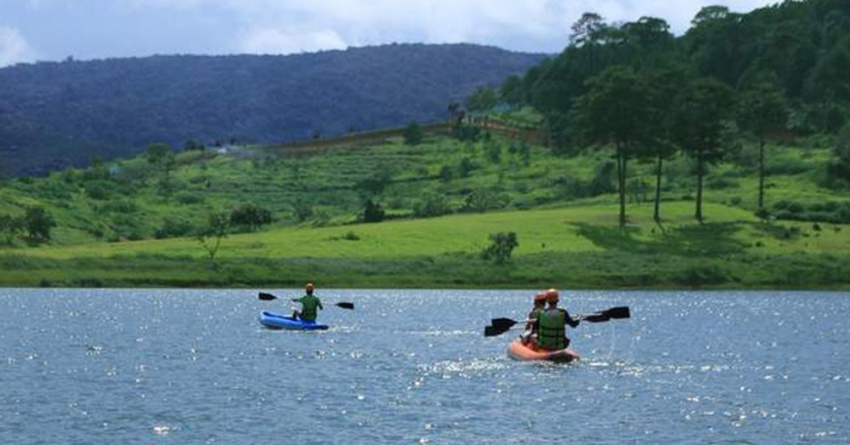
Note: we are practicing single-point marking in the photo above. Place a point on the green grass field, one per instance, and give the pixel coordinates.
(568, 234)
(571, 247)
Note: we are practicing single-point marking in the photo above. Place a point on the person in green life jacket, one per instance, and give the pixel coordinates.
(528, 337)
(309, 305)
(551, 324)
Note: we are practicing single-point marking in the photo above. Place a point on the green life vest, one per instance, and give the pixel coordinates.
(551, 329)
(309, 306)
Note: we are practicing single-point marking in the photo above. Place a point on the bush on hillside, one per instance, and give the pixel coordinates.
(173, 228)
(250, 217)
(432, 205)
(483, 199)
(413, 134)
(829, 211)
(501, 246)
(38, 223)
(373, 212)
(99, 189)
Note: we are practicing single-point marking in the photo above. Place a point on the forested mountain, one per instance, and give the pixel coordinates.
(54, 115)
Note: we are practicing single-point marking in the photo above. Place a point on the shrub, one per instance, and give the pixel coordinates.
(373, 212)
(173, 228)
(413, 134)
(351, 236)
(250, 216)
(501, 246)
(99, 190)
(483, 199)
(38, 222)
(830, 211)
(432, 205)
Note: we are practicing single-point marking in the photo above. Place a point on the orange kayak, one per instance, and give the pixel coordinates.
(519, 351)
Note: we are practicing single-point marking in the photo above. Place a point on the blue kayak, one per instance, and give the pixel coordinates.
(276, 321)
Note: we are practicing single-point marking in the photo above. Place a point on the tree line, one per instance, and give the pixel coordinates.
(636, 89)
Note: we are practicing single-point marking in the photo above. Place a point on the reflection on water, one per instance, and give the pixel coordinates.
(181, 366)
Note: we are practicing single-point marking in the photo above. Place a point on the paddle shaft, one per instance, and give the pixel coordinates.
(267, 297)
(501, 325)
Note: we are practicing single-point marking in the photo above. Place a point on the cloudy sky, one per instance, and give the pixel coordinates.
(32, 30)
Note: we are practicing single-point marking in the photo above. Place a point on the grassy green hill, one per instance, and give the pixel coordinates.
(561, 208)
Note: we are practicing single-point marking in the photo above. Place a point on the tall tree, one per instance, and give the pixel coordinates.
(664, 87)
(217, 227)
(762, 109)
(701, 123)
(584, 28)
(613, 112)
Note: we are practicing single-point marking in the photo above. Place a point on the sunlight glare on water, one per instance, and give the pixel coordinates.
(412, 366)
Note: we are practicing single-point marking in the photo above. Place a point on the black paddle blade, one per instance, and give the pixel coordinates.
(492, 331)
(617, 312)
(266, 296)
(595, 318)
(503, 324)
(346, 305)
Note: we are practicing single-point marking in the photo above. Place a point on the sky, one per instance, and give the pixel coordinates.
(52, 30)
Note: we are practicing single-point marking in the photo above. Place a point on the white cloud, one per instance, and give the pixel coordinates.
(514, 24)
(276, 41)
(13, 47)
(289, 26)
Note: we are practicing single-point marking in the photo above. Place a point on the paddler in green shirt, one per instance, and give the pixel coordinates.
(309, 303)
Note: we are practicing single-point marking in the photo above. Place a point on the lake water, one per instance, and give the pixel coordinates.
(194, 366)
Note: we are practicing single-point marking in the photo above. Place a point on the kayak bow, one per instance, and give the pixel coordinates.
(519, 351)
(276, 321)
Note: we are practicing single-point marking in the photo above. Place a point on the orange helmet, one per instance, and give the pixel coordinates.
(552, 295)
(540, 297)
(309, 286)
